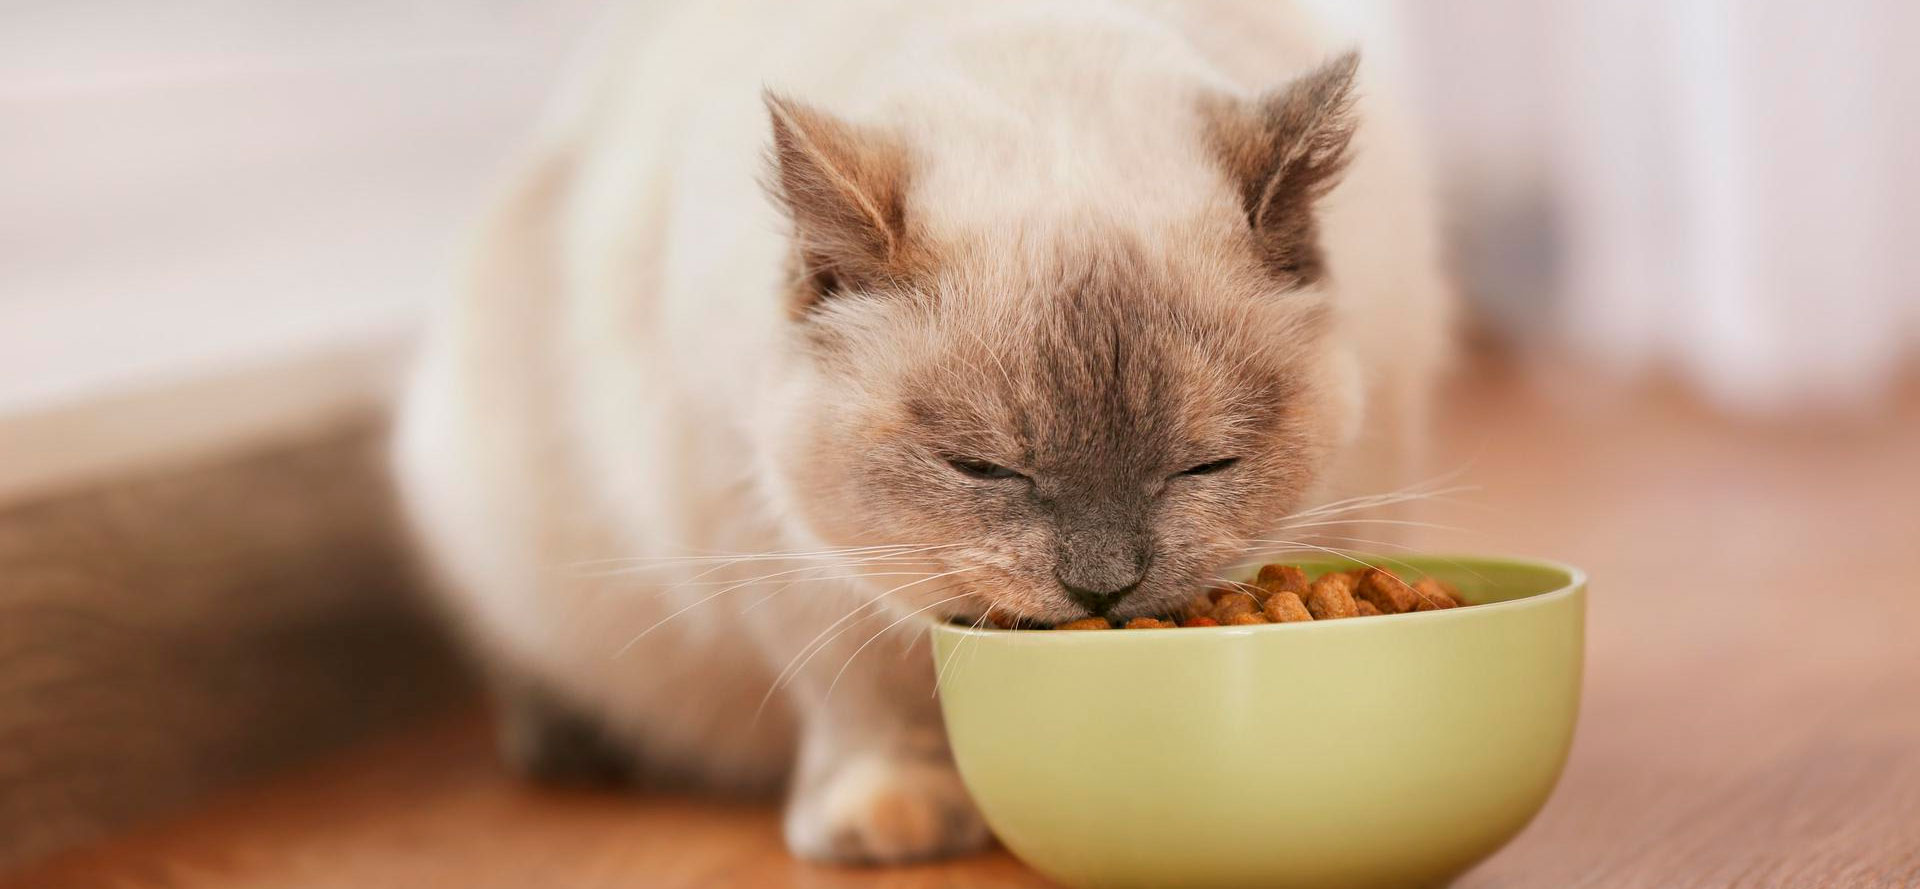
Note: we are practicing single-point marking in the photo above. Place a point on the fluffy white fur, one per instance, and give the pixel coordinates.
(609, 383)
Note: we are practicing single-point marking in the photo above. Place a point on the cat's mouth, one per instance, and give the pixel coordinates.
(1010, 604)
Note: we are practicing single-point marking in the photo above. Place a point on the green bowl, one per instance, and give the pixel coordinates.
(1390, 751)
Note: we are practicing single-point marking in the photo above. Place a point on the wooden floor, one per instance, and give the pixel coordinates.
(1752, 716)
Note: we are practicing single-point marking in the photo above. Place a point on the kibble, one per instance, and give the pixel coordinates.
(1387, 592)
(1281, 579)
(1331, 597)
(1086, 623)
(1283, 594)
(1433, 595)
(1286, 607)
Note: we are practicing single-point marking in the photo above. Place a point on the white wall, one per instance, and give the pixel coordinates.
(1720, 190)
(190, 184)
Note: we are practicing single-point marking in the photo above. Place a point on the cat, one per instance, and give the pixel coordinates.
(804, 322)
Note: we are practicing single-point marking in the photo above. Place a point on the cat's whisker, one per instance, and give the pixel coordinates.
(683, 610)
(662, 580)
(806, 576)
(706, 570)
(1375, 501)
(1412, 549)
(1421, 489)
(731, 558)
(821, 640)
(704, 600)
(883, 631)
(698, 552)
(857, 576)
(1350, 555)
(787, 676)
(1297, 545)
(883, 561)
(1405, 523)
(941, 674)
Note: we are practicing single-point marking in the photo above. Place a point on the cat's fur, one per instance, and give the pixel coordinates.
(1094, 242)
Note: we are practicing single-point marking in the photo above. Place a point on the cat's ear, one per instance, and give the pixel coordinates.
(844, 186)
(1285, 151)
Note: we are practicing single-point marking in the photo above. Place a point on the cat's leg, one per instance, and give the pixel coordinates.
(549, 739)
(875, 780)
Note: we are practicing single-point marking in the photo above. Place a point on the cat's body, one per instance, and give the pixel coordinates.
(627, 373)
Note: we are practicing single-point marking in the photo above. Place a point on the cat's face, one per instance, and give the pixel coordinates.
(1101, 434)
(1078, 416)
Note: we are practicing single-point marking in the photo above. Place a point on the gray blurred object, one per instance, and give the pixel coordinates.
(1717, 191)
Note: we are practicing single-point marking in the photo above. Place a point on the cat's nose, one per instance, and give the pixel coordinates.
(1098, 601)
(1099, 564)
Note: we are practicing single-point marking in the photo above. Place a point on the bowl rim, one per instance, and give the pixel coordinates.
(1575, 582)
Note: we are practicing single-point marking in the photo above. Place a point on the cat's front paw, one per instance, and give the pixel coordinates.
(885, 810)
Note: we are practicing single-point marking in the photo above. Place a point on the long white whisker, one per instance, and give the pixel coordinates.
(733, 558)
(788, 676)
(883, 631)
(702, 601)
(779, 680)
(940, 675)
(693, 584)
(820, 641)
(1414, 490)
(1374, 501)
(1387, 543)
(1351, 556)
(1408, 523)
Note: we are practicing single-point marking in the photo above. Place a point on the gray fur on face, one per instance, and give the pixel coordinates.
(1096, 363)
(1100, 377)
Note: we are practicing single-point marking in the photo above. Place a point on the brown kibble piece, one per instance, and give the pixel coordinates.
(1362, 592)
(1388, 593)
(1433, 595)
(1285, 607)
(1331, 597)
(1086, 623)
(1230, 606)
(1281, 578)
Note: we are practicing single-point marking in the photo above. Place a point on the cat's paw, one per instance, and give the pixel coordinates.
(885, 810)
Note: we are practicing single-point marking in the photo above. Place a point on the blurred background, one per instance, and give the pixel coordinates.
(1717, 191)
(223, 219)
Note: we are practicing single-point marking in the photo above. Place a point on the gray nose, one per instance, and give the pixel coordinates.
(1098, 570)
(1097, 601)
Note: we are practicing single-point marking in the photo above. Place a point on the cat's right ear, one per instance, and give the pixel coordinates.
(1284, 152)
(844, 187)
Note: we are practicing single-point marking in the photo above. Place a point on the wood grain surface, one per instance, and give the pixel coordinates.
(1752, 716)
(199, 625)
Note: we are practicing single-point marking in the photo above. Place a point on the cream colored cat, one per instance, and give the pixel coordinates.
(1054, 307)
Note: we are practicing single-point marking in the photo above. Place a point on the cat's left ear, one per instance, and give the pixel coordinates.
(1284, 152)
(844, 186)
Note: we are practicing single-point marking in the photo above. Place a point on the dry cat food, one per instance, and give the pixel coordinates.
(1283, 594)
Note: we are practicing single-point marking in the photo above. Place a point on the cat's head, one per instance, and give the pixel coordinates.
(1082, 415)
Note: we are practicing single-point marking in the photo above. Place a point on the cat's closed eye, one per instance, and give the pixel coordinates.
(1209, 467)
(973, 467)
